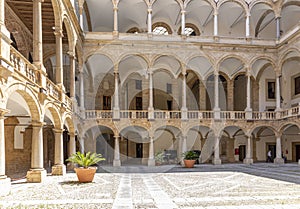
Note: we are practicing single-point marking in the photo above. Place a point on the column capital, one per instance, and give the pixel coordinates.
(37, 123)
(40, 1)
(58, 33)
(149, 10)
(115, 8)
(183, 11)
(3, 112)
(58, 130)
(216, 13)
(216, 73)
(71, 54)
(72, 134)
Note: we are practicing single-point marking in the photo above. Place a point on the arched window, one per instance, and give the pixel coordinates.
(133, 30)
(160, 28)
(190, 30)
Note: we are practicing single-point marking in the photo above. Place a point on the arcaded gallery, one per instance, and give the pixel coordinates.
(132, 78)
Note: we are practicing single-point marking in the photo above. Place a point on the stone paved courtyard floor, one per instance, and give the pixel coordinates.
(260, 185)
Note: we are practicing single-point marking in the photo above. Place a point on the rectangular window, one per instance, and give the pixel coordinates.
(271, 90)
(138, 84)
(169, 88)
(297, 85)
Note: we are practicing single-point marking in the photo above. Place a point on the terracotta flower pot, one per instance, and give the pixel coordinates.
(189, 163)
(85, 174)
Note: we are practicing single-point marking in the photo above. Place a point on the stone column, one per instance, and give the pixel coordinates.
(37, 34)
(117, 161)
(183, 107)
(5, 184)
(248, 109)
(59, 58)
(72, 75)
(278, 108)
(216, 24)
(183, 147)
(254, 157)
(37, 173)
(230, 150)
(72, 144)
(81, 89)
(183, 22)
(278, 159)
(230, 95)
(278, 28)
(202, 96)
(248, 159)
(149, 20)
(81, 144)
(216, 108)
(116, 30)
(81, 16)
(151, 160)
(116, 108)
(150, 108)
(59, 168)
(217, 160)
(4, 43)
(248, 26)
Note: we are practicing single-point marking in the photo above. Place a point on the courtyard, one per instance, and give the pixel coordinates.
(261, 185)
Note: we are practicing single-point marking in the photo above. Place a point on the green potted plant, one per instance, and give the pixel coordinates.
(86, 172)
(159, 158)
(189, 158)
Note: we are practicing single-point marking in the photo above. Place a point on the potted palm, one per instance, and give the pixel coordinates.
(159, 158)
(86, 172)
(189, 158)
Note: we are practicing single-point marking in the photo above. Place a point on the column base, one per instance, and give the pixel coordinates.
(217, 161)
(184, 115)
(151, 162)
(116, 114)
(279, 161)
(70, 166)
(59, 170)
(5, 185)
(36, 175)
(248, 161)
(115, 34)
(116, 163)
(150, 113)
(248, 113)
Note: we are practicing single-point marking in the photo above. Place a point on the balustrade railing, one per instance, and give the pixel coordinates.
(52, 89)
(196, 115)
(23, 66)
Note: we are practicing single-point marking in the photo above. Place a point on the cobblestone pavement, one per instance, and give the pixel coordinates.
(230, 186)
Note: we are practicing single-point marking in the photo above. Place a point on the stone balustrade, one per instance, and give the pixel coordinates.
(193, 115)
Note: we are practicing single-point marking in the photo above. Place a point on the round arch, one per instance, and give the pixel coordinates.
(54, 114)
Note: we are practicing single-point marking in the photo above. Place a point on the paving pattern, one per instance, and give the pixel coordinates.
(230, 186)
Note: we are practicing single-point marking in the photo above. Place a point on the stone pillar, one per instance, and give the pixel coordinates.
(37, 34)
(248, 159)
(183, 147)
(59, 58)
(149, 20)
(278, 159)
(59, 168)
(116, 108)
(71, 150)
(81, 144)
(151, 160)
(248, 109)
(183, 107)
(183, 22)
(278, 108)
(81, 89)
(81, 16)
(216, 108)
(248, 26)
(230, 150)
(150, 108)
(72, 144)
(116, 30)
(37, 173)
(5, 184)
(216, 24)
(5, 45)
(217, 160)
(230, 95)
(72, 75)
(254, 157)
(202, 96)
(117, 161)
(278, 29)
